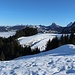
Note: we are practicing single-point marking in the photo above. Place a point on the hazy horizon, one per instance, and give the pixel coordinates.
(36, 12)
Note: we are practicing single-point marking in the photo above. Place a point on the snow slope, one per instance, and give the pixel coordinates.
(60, 61)
(38, 40)
(7, 34)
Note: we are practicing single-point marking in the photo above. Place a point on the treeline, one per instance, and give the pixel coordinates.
(28, 31)
(10, 48)
(64, 39)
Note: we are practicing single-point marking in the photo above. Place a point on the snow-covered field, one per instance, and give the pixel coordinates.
(38, 40)
(60, 61)
(7, 34)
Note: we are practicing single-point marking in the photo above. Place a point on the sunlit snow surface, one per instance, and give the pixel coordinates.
(60, 61)
(39, 40)
(7, 34)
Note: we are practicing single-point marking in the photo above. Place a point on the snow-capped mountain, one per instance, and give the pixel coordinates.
(69, 28)
(54, 25)
(53, 28)
(70, 24)
(60, 61)
(73, 25)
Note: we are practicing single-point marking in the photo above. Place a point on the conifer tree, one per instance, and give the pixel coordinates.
(35, 51)
(66, 39)
(48, 45)
(54, 43)
(2, 56)
(71, 39)
(62, 39)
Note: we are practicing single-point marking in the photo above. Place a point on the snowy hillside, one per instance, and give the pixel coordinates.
(7, 34)
(38, 40)
(60, 61)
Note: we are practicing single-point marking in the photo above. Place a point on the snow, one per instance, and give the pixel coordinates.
(60, 61)
(39, 40)
(7, 34)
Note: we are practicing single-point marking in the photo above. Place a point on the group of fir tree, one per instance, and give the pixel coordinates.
(64, 39)
(10, 48)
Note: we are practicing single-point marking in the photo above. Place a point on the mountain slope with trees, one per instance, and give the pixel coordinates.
(10, 48)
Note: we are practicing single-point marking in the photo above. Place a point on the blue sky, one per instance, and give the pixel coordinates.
(36, 12)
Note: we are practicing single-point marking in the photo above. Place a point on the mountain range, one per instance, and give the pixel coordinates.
(53, 28)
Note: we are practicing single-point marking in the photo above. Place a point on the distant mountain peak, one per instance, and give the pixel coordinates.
(54, 25)
(73, 24)
(70, 24)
